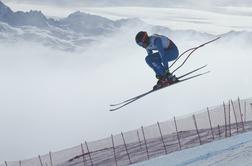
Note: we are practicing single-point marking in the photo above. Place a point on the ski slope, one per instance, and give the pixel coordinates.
(233, 151)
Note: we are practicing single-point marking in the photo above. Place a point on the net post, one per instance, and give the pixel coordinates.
(83, 155)
(241, 115)
(40, 160)
(162, 138)
(113, 144)
(225, 118)
(145, 142)
(89, 154)
(236, 123)
(176, 127)
(229, 114)
(51, 159)
(196, 127)
(139, 140)
(210, 122)
(125, 145)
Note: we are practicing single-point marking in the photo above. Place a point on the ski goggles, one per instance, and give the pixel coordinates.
(141, 43)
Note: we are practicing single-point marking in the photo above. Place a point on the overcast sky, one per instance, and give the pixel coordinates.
(160, 3)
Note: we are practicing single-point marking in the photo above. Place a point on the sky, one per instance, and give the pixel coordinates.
(53, 100)
(158, 3)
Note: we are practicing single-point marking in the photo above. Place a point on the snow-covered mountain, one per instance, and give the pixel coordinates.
(86, 24)
(77, 22)
(32, 18)
(77, 30)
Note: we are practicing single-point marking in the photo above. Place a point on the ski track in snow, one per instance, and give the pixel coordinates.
(233, 151)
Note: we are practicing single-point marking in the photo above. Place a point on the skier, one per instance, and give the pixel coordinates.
(166, 51)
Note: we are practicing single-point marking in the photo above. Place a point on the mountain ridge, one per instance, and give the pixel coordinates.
(77, 29)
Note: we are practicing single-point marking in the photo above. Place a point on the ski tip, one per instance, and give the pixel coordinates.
(203, 66)
(204, 73)
(207, 72)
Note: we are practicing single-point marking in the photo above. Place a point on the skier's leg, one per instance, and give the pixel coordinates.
(155, 62)
(171, 54)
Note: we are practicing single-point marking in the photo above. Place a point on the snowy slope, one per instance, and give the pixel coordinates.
(233, 151)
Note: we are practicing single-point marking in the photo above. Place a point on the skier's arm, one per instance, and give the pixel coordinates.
(149, 51)
(161, 50)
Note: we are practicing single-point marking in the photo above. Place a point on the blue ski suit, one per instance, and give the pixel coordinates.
(166, 51)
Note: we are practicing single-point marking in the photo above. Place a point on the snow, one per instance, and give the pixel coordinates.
(233, 151)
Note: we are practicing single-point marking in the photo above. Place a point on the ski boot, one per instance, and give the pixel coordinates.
(171, 77)
(165, 80)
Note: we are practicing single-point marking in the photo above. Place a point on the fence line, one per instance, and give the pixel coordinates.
(155, 140)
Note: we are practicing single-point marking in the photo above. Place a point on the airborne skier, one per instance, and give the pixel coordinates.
(166, 51)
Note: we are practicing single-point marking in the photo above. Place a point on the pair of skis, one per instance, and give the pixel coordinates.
(180, 78)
